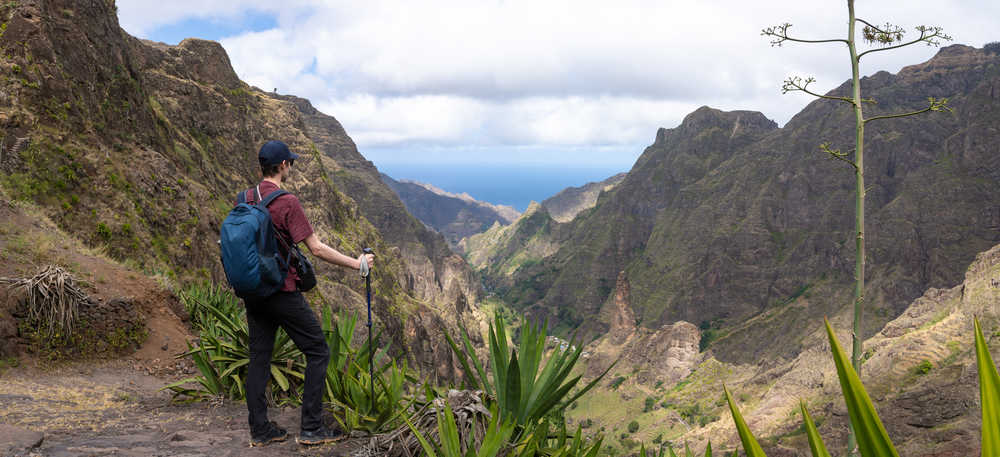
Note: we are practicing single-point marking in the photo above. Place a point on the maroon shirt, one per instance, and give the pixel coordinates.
(290, 221)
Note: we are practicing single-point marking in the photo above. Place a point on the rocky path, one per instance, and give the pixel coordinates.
(115, 409)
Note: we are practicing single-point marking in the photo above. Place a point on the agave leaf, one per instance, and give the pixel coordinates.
(589, 386)
(233, 367)
(499, 363)
(484, 382)
(282, 380)
(750, 445)
(464, 361)
(687, 450)
(670, 450)
(496, 436)
(428, 449)
(815, 441)
(708, 450)
(989, 396)
(873, 441)
(176, 385)
(513, 388)
(451, 444)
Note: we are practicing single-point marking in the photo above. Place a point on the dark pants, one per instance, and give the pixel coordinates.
(290, 311)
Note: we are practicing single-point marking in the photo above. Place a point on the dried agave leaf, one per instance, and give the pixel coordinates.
(51, 297)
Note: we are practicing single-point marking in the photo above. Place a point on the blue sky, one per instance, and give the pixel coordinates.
(542, 82)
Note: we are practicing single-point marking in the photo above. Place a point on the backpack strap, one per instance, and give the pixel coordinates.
(241, 197)
(270, 197)
(267, 201)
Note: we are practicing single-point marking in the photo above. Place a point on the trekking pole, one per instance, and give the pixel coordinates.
(371, 349)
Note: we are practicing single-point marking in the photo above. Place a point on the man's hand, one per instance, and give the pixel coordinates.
(369, 258)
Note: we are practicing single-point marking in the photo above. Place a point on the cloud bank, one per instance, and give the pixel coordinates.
(562, 75)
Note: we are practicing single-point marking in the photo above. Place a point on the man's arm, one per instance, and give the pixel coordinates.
(324, 252)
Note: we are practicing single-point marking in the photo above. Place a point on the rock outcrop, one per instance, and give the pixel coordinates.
(664, 355)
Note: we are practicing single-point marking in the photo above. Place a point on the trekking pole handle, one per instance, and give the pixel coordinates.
(368, 289)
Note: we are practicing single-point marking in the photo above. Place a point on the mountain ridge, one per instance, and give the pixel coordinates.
(727, 216)
(453, 215)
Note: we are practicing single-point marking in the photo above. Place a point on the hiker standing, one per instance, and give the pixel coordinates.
(288, 309)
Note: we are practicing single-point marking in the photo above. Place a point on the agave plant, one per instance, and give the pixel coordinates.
(222, 353)
(872, 439)
(525, 389)
(349, 385)
(540, 441)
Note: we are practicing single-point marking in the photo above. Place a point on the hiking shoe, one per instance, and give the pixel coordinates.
(323, 435)
(272, 434)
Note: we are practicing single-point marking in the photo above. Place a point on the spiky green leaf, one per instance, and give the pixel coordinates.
(815, 441)
(989, 396)
(750, 445)
(873, 441)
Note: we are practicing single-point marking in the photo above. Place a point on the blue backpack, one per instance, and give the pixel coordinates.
(250, 256)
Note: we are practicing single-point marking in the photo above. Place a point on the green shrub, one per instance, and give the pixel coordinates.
(103, 231)
(924, 367)
(633, 427)
(650, 403)
(617, 382)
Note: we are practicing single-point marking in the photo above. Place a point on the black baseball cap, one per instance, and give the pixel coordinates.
(274, 152)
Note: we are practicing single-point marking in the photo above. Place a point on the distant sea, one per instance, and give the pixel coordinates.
(512, 185)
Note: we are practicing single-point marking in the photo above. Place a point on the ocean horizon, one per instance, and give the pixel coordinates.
(507, 184)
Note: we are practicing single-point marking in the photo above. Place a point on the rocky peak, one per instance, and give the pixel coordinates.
(739, 122)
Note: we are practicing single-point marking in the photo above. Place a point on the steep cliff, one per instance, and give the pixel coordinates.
(726, 219)
(140, 148)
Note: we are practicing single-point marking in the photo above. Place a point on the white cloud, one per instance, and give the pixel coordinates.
(536, 73)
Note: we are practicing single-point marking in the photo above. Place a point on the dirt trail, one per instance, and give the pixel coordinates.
(115, 409)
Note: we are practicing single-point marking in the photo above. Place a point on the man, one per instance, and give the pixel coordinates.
(289, 310)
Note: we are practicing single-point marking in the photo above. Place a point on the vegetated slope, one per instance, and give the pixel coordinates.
(500, 251)
(141, 148)
(920, 370)
(727, 217)
(454, 216)
(126, 312)
(569, 202)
